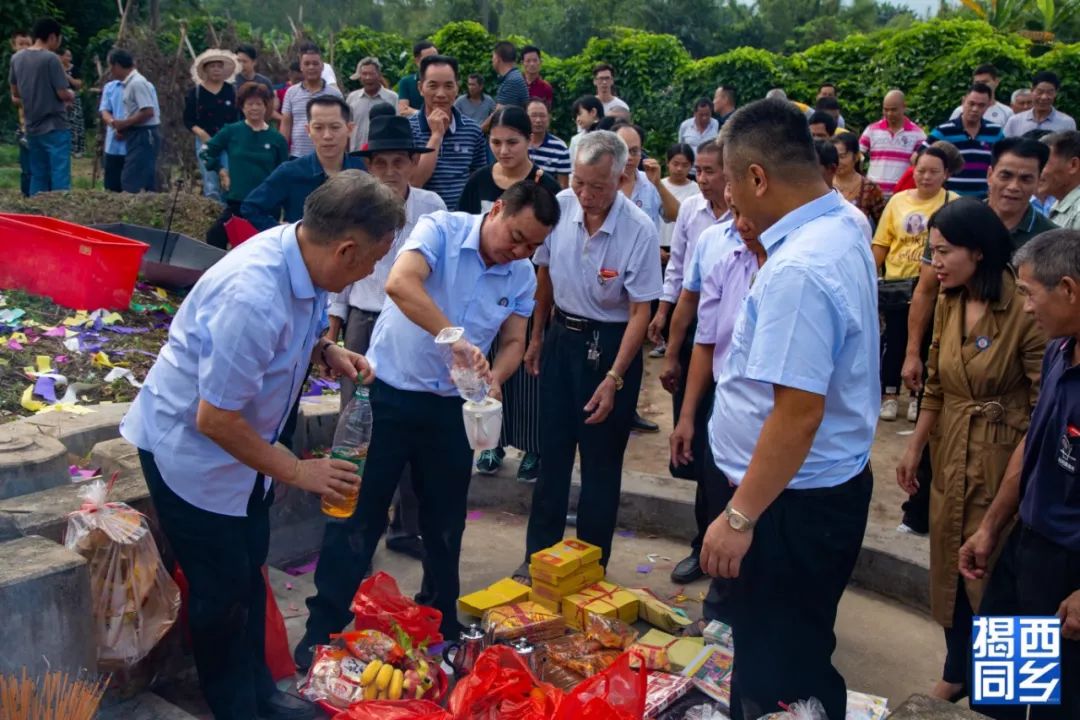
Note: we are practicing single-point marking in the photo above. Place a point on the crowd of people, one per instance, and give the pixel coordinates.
(799, 279)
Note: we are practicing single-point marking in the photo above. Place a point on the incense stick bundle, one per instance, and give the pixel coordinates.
(55, 696)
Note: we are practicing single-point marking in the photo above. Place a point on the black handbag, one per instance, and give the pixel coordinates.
(893, 294)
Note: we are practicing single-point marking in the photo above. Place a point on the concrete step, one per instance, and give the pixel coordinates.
(45, 606)
(892, 564)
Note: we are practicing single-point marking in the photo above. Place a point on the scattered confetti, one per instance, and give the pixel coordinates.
(288, 586)
(474, 515)
(626, 533)
(644, 569)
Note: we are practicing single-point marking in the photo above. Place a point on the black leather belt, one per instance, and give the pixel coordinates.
(580, 324)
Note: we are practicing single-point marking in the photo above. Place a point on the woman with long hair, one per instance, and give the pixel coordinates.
(983, 374)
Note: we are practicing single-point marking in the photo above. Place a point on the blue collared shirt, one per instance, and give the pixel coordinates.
(810, 322)
(713, 244)
(112, 100)
(598, 277)
(647, 197)
(241, 341)
(471, 295)
(286, 190)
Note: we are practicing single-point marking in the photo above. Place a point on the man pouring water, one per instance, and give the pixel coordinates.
(454, 271)
(213, 405)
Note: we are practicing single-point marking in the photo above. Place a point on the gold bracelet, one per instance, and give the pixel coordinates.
(617, 378)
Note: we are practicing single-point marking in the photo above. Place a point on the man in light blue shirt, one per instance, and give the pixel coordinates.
(214, 403)
(454, 270)
(112, 108)
(794, 415)
(599, 271)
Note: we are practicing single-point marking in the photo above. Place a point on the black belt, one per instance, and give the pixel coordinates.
(580, 324)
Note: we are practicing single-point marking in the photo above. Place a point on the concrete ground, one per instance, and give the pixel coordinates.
(883, 648)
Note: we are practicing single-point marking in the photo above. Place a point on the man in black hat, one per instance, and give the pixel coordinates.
(390, 155)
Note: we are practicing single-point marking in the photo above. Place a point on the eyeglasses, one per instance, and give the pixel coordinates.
(635, 152)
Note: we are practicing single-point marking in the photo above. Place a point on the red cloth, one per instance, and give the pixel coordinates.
(541, 88)
(906, 181)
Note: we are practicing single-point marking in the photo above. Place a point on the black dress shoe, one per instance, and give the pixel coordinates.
(411, 545)
(642, 425)
(687, 571)
(304, 653)
(282, 706)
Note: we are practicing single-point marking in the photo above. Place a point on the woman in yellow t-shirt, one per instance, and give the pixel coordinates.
(898, 245)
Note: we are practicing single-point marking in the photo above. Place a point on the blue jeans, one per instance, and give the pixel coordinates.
(211, 183)
(50, 161)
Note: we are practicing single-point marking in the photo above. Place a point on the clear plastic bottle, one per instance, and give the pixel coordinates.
(351, 439)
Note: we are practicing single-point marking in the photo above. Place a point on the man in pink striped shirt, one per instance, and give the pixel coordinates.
(890, 142)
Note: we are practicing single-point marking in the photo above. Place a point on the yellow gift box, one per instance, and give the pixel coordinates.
(552, 605)
(601, 598)
(560, 560)
(504, 592)
(667, 652)
(658, 613)
(568, 585)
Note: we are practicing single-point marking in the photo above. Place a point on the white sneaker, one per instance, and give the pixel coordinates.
(889, 410)
(659, 351)
(913, 411)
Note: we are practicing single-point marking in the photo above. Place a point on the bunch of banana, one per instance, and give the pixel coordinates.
(382, 681)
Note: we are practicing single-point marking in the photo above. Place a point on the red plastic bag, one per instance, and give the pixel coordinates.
(378, 604)
(617, 693)
(278, 655)
(501, 686)
(237, 229)
(394, 710)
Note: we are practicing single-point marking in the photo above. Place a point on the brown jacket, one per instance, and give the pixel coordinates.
(984, 388)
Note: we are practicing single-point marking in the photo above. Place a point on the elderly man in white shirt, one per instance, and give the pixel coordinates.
(371, 92)
(390, 155)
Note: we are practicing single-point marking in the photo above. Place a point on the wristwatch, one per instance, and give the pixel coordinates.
(738, 521)
(617, 378)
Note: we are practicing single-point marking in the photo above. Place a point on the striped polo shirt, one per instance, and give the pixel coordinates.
(552, 156)
(975, 150)
(463, 151)
(890, 154)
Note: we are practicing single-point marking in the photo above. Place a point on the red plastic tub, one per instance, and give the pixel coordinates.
(78, 267)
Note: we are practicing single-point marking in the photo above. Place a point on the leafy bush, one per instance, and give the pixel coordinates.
(750, 71)
(832, 61)
(471, 44)
(356, 43)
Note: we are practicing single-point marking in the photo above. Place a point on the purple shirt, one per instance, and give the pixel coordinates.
(723, 291)
(695, 215)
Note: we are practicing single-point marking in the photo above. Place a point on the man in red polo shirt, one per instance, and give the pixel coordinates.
(530, 64)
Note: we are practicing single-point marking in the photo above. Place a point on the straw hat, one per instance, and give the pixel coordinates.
(198, 68)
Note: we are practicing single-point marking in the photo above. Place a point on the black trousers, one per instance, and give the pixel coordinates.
(405, 523)
(784, 601)
(140, 164)
(958, 640)
(567, 382)
(718, 492)
(699, 445)
(1032, 577)
(893, 347)
(114, 168)
(426, 433)
(222, 558)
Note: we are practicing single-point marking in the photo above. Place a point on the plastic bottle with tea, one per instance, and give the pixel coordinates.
(351, 439)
